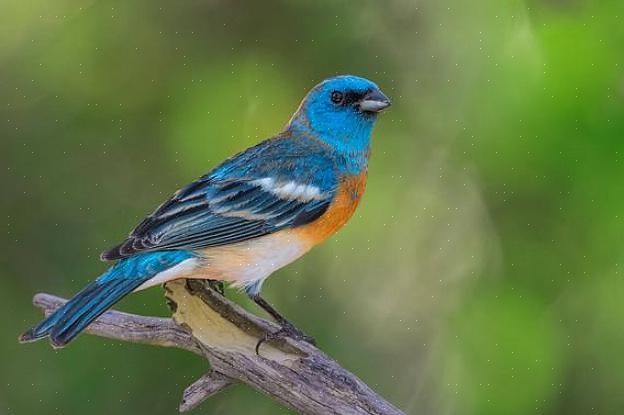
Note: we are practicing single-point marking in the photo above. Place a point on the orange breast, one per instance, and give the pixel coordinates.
(349, 194)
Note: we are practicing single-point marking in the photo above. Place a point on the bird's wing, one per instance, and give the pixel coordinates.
(220, 209)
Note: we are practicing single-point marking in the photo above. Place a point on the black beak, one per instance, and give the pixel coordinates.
(374, 101)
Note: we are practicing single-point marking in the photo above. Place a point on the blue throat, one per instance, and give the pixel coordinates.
(332, 112)
(348, 134)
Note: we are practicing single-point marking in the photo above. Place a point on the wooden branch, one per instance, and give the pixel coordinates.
(292, 372)
(203, 388)
(132, 328)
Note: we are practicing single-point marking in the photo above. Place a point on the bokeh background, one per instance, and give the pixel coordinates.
(484, 271)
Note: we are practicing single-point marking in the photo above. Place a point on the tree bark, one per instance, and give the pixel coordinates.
(292, 372)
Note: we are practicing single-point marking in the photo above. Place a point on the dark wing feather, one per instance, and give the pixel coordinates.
(212, 212)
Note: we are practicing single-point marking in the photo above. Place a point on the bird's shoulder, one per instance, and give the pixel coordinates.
(285, 157)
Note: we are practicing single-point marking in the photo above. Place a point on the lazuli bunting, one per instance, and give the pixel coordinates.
(251, 215)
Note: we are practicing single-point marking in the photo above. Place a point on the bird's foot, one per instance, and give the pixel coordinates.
(287, 330)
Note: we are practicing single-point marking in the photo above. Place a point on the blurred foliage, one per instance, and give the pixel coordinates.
(483, 272)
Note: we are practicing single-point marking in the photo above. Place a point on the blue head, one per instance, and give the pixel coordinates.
(341, 111)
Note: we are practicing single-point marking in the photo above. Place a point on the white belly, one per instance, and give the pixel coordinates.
(245, 264)
(250, 263)
(184, 269)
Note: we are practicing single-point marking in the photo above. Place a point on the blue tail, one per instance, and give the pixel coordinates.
(121, 279)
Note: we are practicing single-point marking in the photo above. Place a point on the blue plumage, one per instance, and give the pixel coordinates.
(120, 279)
(347, 131)
(220, 208)
(283, 183)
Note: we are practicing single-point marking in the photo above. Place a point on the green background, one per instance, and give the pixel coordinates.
(483, 272)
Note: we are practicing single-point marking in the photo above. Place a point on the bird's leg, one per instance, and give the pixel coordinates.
(264, 304)
(287, 328)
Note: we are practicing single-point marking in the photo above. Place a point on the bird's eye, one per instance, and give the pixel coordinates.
(337, 97)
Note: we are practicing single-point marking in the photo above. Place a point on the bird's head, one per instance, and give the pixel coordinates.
(342, 112)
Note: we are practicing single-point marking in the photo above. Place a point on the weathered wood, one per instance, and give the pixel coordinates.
(292, 372)
(132, 328)
(203, 388)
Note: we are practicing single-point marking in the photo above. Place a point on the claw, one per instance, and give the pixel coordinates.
(289, 331)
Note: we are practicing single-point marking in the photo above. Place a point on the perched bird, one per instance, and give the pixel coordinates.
(251, 215)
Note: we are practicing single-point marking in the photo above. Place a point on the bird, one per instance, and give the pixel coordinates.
(251, 215)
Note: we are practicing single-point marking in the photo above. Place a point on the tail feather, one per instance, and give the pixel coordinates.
(75, 315)
(44, 328)
(121, 279)
(82, 314)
